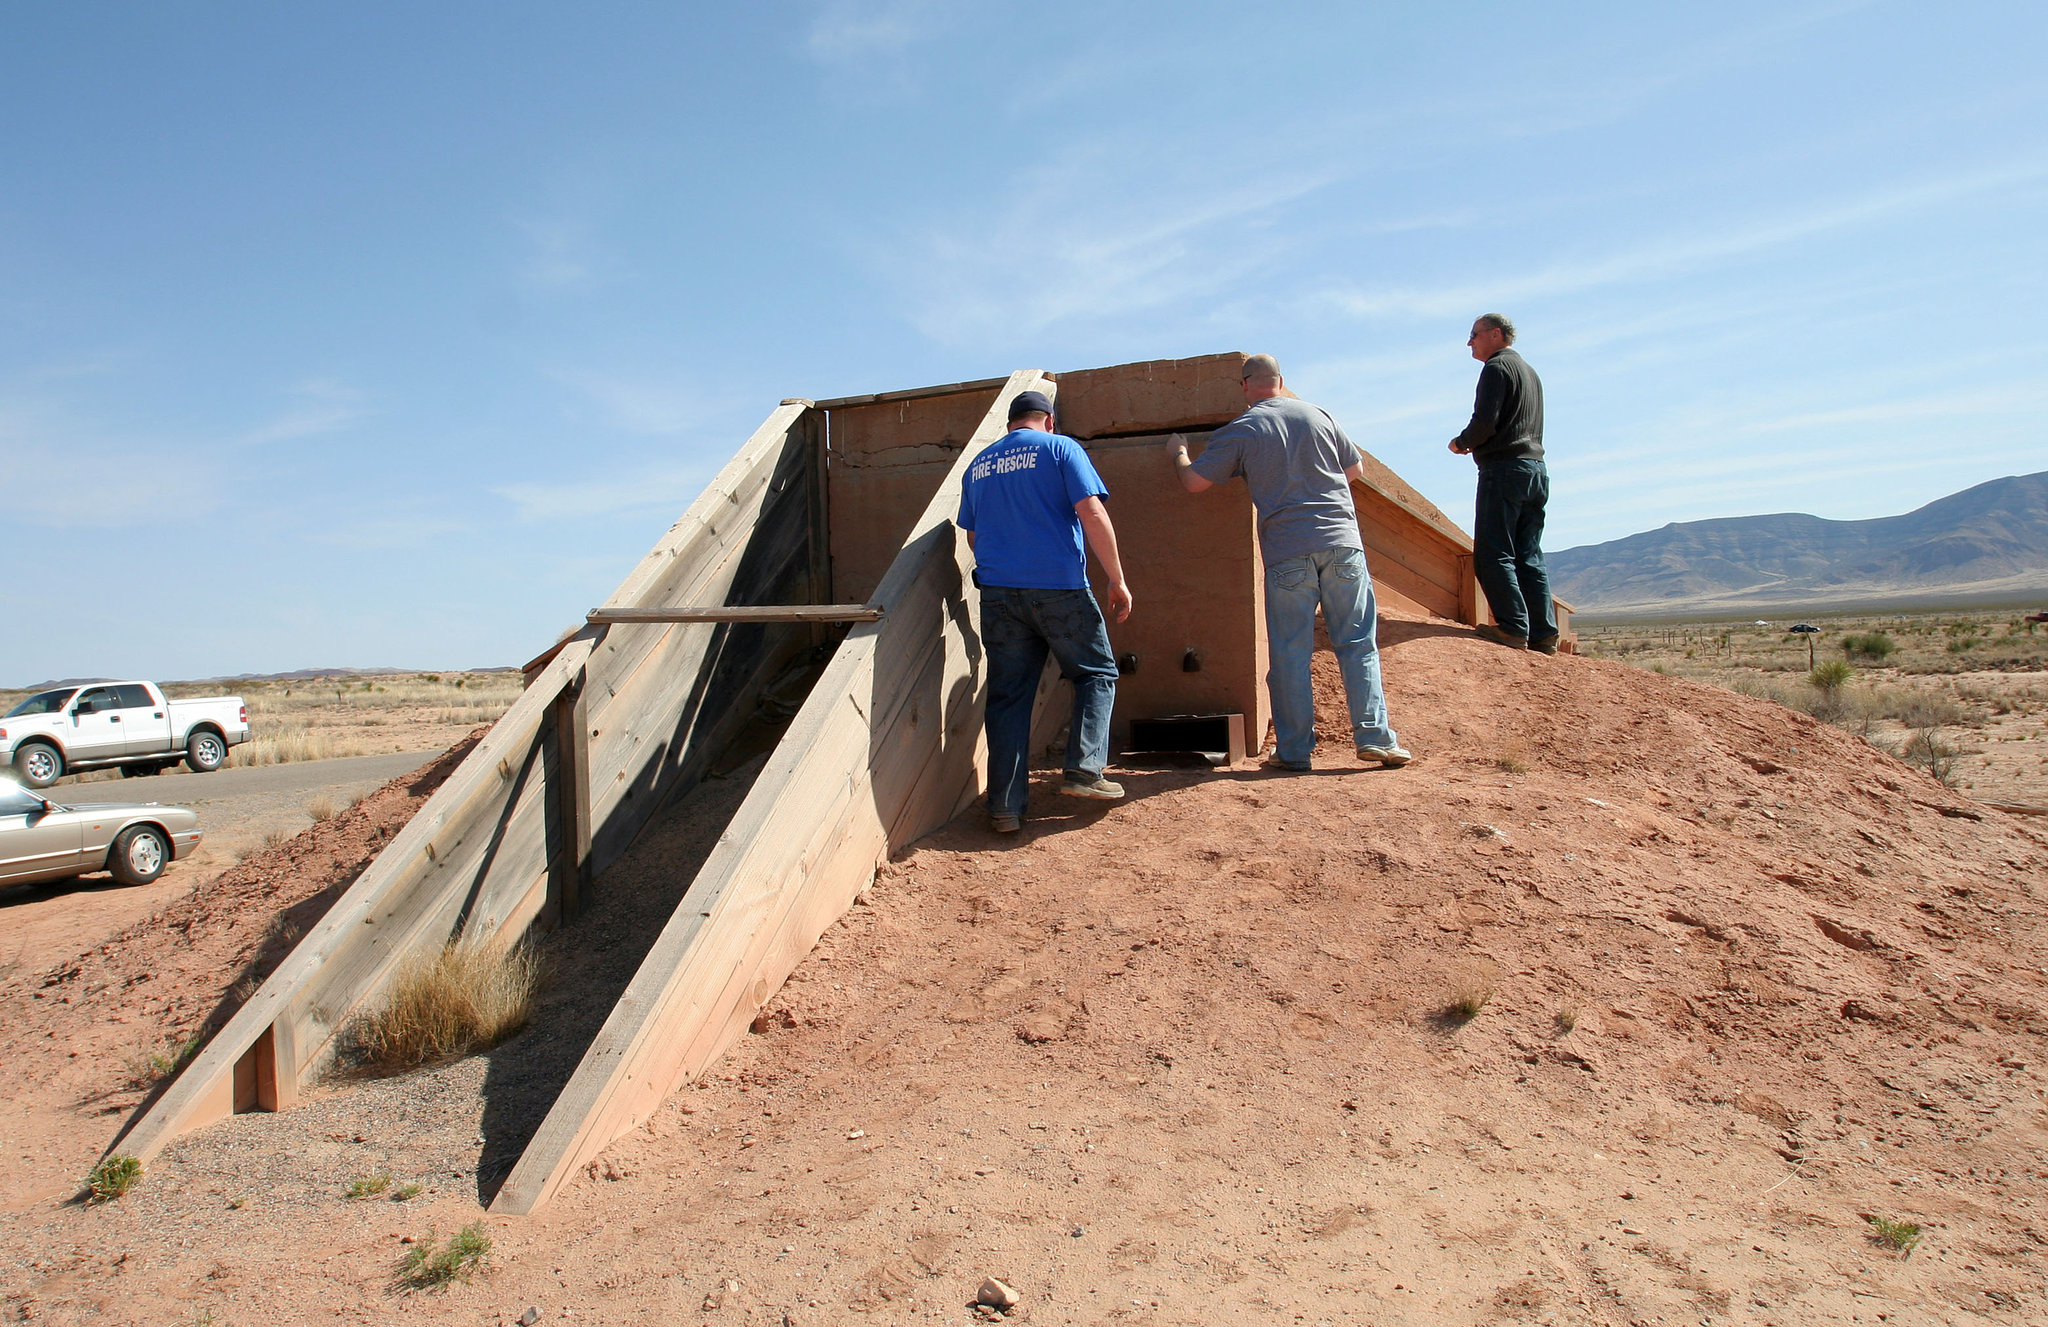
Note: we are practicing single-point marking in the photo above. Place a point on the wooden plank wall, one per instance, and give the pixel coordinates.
(888, 747)
(660, 700)
(886, 459)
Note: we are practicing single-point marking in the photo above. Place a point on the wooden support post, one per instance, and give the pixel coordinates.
(1468, 591)
(569, 867)
(743, 613)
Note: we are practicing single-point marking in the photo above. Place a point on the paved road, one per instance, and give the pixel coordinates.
(42, 924)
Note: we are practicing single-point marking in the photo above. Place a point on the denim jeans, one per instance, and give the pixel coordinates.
(1507, 547)
(1336, 578)
(1018, 628)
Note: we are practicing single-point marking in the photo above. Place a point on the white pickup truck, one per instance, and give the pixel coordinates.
(125, 724)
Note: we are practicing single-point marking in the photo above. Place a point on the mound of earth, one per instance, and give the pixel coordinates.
(77, 1039)
(1744, 986)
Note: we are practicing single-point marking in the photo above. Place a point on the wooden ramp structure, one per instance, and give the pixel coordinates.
(829, 535)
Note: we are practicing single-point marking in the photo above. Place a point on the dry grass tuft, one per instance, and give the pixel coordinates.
(1567, 1017)
(426, 1266)
(320, 809)
(470, 996)
(1465, 1004)
(368, 1186)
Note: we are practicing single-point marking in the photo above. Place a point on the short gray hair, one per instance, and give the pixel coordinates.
(1262, 367)
(1499, 322)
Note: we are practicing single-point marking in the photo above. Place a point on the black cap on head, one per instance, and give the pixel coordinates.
(1025, 403)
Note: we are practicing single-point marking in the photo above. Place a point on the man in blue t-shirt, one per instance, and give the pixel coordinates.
(1030, 501)
(1299, 466)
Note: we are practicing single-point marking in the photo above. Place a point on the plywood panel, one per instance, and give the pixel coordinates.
(1154, 396)
(886, 459)
(1191, 562)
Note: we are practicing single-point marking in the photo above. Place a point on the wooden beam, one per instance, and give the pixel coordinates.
(569, 864)
(742, 613)
(910, 393)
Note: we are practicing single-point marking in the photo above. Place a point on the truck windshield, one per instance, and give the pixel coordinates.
(48, 702)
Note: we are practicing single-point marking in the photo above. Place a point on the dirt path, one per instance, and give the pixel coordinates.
(1190, 1059)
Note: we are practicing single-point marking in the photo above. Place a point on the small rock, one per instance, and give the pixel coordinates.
(530, 1317)
(856, 1133)
(996, 1295)
(1041, 1028)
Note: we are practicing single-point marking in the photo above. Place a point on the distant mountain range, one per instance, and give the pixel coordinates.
(1987, 544)
(297, 674)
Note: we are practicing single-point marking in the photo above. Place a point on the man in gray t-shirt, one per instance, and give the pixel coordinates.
(1298, 465)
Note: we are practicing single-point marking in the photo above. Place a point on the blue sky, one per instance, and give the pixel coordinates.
(393, 334)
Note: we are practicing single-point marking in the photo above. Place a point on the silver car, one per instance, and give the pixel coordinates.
(42, 840)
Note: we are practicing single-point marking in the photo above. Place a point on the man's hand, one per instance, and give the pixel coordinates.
(1120, 601)
(1183, 468)
(1176, 445)
(1462, 451)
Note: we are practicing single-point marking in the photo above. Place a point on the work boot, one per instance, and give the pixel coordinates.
(1002, 822)
(1290, 766)
(1391, 756)
(1487, 631)
(1099, 788)
(1544, 644)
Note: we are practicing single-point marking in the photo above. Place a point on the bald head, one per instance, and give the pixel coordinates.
(1261, 380)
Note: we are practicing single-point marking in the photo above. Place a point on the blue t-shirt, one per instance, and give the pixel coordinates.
(1019, 502)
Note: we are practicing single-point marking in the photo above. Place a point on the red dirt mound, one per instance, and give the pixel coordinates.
(1742, 985)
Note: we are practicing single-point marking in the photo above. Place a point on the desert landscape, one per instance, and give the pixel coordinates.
(1633, 1000)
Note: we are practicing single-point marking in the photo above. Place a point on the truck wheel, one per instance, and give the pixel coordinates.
(40, 764)
(205, 752)
(139, 855)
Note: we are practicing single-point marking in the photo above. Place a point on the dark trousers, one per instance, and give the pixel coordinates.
(1507, 547)
(1018, 629)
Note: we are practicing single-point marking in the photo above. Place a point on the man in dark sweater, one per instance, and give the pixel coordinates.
(1505, 438)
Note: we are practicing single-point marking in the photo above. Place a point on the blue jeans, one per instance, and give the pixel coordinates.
(1336, 578)
(1507, 547)
(1018, 629)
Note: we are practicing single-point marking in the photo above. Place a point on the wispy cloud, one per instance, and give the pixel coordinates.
(321, 405)
(659, 488)
(857, 32)
(1107, 240)
(653, 404)
(1682, 255)
(561, 256)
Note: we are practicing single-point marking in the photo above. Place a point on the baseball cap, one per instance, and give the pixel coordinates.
(1025, 403)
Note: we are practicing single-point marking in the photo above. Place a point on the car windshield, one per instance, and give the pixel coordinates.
(16, 800)
(47, 702)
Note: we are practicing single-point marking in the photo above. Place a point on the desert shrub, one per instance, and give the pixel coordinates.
(1465, 1004)
(1874, 645)
(1963, 644)
(469, 996)
(1915, 708)
(368, 1186)
(1894, 1234)
(1830, 677)
(112, 1177)
(1925, 750)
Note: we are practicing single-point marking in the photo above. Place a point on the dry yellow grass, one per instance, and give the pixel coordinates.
(470, 996)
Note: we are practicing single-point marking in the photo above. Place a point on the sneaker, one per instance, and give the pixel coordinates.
(1544, 645)
(1099, 788)
(1004, 823)
(1391, 756)
(1487, 631)
(1291, 766)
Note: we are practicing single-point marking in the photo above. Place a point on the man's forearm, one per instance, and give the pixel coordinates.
(1101, 536)
(1492, 394)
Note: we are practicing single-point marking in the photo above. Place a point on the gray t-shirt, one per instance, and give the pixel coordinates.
(1293, 458)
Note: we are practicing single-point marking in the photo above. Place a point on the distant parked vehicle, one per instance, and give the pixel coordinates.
(126, 724)
(41, 840)
(2037, 617)
(1803, 629)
